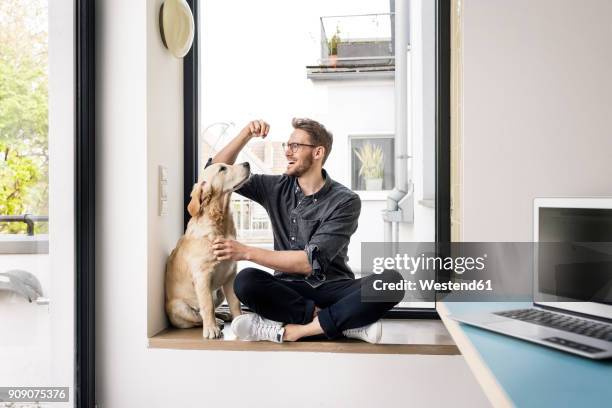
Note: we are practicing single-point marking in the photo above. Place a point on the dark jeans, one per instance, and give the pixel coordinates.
(294, 302)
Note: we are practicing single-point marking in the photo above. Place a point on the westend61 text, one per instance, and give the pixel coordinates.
(474, 285)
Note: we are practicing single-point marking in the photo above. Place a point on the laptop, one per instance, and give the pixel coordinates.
(572, 307)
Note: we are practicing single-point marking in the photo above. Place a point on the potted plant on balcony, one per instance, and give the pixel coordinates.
(332, 47)
(372, 162)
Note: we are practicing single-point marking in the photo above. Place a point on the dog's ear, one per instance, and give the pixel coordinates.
(206, 194)
(213, 204)
(194, 205)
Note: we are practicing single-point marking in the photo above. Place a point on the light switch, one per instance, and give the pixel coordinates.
(163, 173)
(163, 190)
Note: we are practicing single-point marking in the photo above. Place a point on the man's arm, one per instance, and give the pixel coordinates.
(230, 152)
(286, 261)
(329, 239)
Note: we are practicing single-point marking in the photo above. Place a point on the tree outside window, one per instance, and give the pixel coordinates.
(24, 126)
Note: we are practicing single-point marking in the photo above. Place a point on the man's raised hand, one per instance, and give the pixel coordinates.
(257, 128)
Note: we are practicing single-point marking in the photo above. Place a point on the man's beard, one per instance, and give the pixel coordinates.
(298, 171)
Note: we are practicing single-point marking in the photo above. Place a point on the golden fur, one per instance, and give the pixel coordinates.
(196, 282)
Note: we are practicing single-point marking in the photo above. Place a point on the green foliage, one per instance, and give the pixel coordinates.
(372, 160)
(17, 175)
(332, 45)
(24, 123)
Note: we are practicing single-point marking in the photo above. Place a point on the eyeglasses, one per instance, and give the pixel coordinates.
(295, 146)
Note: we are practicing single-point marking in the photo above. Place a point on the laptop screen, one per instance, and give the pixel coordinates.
(574, 260)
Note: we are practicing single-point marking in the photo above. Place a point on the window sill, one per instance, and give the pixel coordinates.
(345, 71)
(425, 338)
(355, 75)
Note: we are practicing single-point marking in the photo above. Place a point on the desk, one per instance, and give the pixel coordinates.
(514, 372)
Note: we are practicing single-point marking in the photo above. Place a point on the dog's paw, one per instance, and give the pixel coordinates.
(211, 332)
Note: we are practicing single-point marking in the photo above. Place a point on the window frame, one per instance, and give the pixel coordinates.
(191, 90)
(85, 216)
(365, 194)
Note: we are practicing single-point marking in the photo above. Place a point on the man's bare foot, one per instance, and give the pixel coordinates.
(294, 332)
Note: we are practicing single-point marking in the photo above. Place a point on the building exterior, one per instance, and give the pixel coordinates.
(352, 93)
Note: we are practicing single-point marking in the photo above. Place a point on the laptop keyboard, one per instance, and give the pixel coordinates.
(563, 322)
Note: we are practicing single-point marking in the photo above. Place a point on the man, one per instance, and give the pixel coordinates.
(313, 290)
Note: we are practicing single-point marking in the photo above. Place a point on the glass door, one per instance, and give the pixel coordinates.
(37, 202)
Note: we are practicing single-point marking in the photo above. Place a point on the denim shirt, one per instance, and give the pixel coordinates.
(321, 224)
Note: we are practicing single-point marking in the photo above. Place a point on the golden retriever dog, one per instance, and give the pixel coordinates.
(196, 282)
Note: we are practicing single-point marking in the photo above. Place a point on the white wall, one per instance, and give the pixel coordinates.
(139, 126)
(121, 193)
(537, 110)
(164, 147)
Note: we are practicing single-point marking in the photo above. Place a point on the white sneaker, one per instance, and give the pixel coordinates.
(371, 333)
(252, 327)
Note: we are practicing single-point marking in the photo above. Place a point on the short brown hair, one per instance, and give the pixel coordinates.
(319, 136)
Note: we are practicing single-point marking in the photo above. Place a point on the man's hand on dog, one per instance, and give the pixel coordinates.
(257, 128)
(228, 249)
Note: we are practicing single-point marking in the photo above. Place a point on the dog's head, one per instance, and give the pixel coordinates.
(215, 186)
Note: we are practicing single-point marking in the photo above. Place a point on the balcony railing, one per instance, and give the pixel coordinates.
(364, 40)
(28, 219)
(24, 244)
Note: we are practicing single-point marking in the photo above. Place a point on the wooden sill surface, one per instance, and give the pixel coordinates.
(434, 342)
